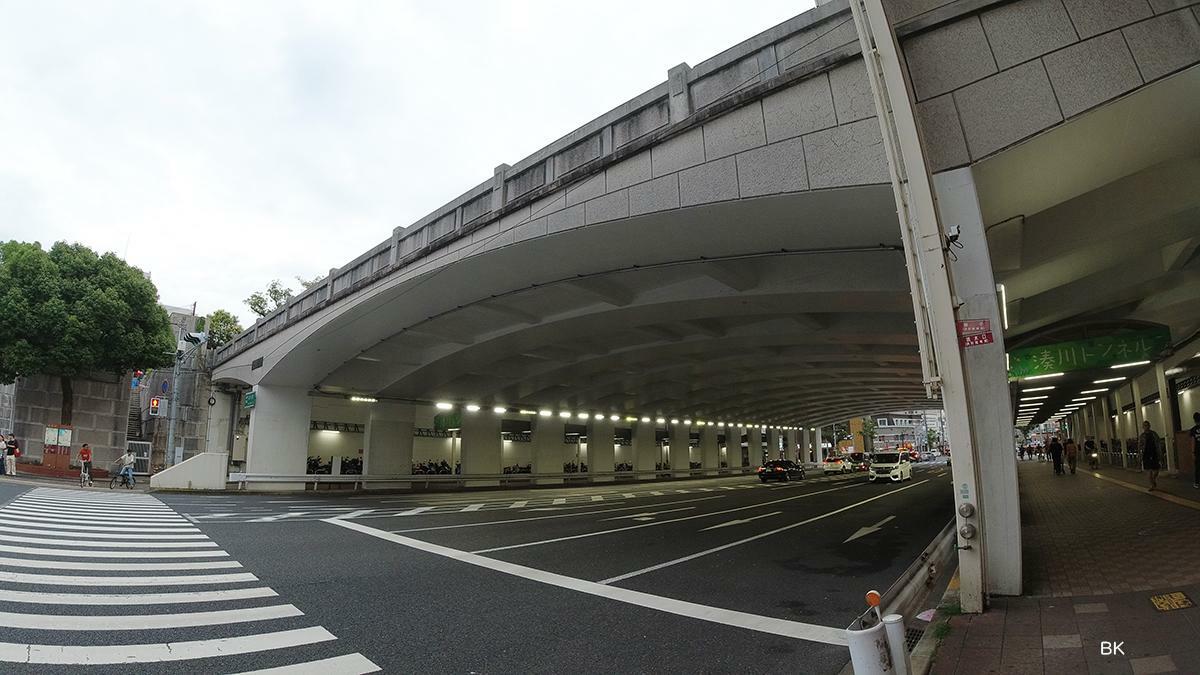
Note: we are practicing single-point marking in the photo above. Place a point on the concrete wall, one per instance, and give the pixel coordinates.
(8, 395)
(204, 471)
(101, 413)
(987, 80)
(326, 444)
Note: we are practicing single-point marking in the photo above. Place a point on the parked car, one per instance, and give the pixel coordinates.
(836, 464)
(858, 461)
(891, 466)
(780, 469)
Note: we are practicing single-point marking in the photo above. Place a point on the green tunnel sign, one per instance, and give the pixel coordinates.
(1097, 352)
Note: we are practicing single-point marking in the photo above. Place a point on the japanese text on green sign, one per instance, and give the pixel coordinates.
(1098, 352)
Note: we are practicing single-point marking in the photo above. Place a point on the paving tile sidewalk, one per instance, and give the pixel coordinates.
(1095, 551)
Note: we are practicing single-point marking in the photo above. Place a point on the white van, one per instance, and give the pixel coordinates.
(892, 466)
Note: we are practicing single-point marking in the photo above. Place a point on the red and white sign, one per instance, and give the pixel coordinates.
(973, 326)
(975, 340)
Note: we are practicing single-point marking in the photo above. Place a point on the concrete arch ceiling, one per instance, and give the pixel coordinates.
(796, 307)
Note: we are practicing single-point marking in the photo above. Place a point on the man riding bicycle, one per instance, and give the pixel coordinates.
(126, 462)
(85, 465)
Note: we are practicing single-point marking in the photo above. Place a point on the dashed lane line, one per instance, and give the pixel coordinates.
(532, 518)
(728, 617)
(716, 549)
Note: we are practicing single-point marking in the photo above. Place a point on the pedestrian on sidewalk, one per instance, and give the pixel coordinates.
(1195, 434)
(12, 448)
(1056, 453)
(1148, 444)
(1072, 452)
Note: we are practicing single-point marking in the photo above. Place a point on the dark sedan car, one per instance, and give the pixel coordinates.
(780, 469)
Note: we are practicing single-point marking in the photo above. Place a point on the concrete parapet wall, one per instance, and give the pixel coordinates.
(205, 471)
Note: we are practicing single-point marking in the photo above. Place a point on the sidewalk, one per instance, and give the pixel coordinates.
(34, 480)
(1097, 547)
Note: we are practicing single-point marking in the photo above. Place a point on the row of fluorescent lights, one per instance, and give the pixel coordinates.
(565, 414)
(1026, 411)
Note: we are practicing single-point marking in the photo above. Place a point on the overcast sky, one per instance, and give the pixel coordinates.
(220, 145)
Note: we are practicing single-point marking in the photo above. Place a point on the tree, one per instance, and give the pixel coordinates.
(868, 431)
(221, 326)
(68, 312)
(275, 296)
(308, 283)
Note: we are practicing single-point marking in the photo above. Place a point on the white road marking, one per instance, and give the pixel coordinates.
(645, 518)
(701, 554)
(70, 553)
(88, 516)
(472, 507)
(741, 521)
(355, 514)
(277, 517)
(561, 515)
(661, 522)
(51, 524)
(109, 544)
(560, 500)
(864, 531)
(629, 495)
(94, 506)
(657, 493)
(728, 617)
(138, 581)
(641, 516)
(196, 534)
(116, 567)
(413, 512)
(146, 621)
(126, 599)
(350, 664)
(157, 653)
(597, 498)
(518, 505)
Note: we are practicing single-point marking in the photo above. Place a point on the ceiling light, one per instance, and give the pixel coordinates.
(499, 410)
(364, 399)
(330, 431)
(1093, 391)
(1172, 371)
(1041, 377)
(564, 414)
(544, 413)
(660, 420)
(632, 419)
(471, 407)
(1084, 398)
(1130, 364)
(442, 405)
(1111, 379)
(583, 416)
(614, 418)
(645, 419)
(1033, 398)
(598, 416)
(1027, 391)
(687, 422)
(674, 420)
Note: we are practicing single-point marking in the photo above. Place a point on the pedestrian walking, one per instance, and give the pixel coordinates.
(1072, 452)
(12, 450)
(1195, 434)
(1056, 454)
(1149, 444)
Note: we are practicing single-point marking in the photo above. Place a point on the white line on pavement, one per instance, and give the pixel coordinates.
(130, 599)
(413, 512)
(741, 521)
(472, 507)
(157, 653)
(91, 515)
(728, 617)
(32, 522)
(97, 506)
(660, 522)
(79, 580)
(518, 505)
(70, 553)
(87, 520)
(146, 621)
(350, 664)
(560, 515)
(102, 535)
(739, 542)
(651, 513)
(116, 567)
(108, 544)
(560, 500)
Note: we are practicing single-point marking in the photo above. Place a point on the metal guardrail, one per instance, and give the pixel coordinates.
(461, 480)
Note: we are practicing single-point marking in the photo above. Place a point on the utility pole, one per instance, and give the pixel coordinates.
(197, 340)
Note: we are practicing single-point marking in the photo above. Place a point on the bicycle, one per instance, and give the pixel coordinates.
(85, 475)
(121, 479)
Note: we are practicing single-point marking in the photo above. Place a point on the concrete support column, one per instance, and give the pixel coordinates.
(680, 457)
(754, 446)
(710, 453)
(792, 448)
(986, 380)
(480, 449)
(645, 450)
(1136, 392)
(601, 451)
(806, 451)
(546, 448)
(818, 435)
(1105, 427)
(773, 443)
(219, 433)
(277, 440)
(388, 445)
(1166, 416)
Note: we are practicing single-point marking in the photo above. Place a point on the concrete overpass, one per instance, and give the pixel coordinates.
(725, 248)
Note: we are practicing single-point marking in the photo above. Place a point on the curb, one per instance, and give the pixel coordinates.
(924, 653)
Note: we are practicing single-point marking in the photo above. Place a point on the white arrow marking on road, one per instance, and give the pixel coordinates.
(642, 516)
(740, 521)
(864, 531)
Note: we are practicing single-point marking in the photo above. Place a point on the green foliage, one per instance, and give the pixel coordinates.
(221, 327)
(308, 283)
(275, 296)
(69, 312)
(941, 630)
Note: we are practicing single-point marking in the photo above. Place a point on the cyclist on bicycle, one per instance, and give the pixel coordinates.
(126, 462)
(85, 464)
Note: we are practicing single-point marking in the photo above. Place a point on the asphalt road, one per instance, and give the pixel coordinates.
(715, 575)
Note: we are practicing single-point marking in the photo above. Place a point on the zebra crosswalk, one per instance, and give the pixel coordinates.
(123, 582)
